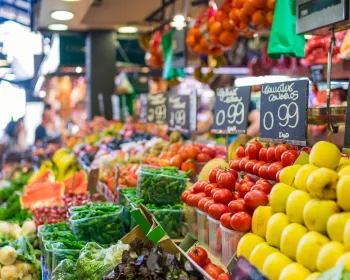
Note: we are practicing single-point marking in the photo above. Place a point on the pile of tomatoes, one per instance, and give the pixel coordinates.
(200, 256)
(265, 161)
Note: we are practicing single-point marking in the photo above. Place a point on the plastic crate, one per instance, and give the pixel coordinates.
(60, 254)
(230, 239)
(159, 189)
(101, 229)
(203, 234)
(192, 222)
(215, 239)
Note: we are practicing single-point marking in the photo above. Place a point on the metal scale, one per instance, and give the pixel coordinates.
(324, 17)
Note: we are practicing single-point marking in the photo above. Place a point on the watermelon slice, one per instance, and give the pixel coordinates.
(77, 184)
(43, 194)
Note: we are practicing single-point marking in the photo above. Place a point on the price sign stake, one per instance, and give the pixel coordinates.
(93, 180)
(157, 108)
(283, 113)
(231, 110)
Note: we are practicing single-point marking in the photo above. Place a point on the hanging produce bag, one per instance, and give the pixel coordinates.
(169, 72)
(283, 37)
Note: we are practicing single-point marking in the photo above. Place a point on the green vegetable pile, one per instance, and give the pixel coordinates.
(99, 222)
(61, 251)
(161, 186)
(146, 261)
(55, 227)
(66, 270)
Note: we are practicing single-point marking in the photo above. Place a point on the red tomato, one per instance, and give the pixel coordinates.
(223, 196)
(234, 164)
(262, 154)
(212, 175)
(218, 173)
(245, 188)
(270, 154)
(278, 176)
(213, 191)
(202, 157)
(250, 165)
(224, 276)
(236, 206)
(234, 172)
(257, 166)
(273, 169)
(216, 210)
(209, 151)
(213, 270)
(241, 222)
(242, 163)
(210, 187)
(263, 171)
(192, 151)
(202, 202)
(264, 182)
(236, 195)
(193, 199)
(254, 199)
(294, 147)
(199, 186)
(208, 204)
(260, 187)
(252, 150)
(185, 194)
(280, 149)
(247, 178)
(199, 255)
(289, 157)
(225, 220)
(227, 180)
(189, 165)
(240, 151)
(306, 150)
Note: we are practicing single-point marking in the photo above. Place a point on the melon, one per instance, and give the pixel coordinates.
(216, 162)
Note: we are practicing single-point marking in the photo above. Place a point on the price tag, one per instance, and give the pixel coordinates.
(157, 108)
(178, 112)
(231, 110)
(283, 112)
(316, 73)
(244, 270)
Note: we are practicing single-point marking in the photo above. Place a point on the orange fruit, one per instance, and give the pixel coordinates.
(190, 40)
(227, 39)
(269, 18)
(249, 7)
(214, 39)
(237, 3)
(197, 49)
(244, 17)
(242, 25)
(271, 4)
(216, 51)
(227, 24)
(215, 28)
(259, 4)
(196, 33)
(210, 21)
(234, 15)
(226, 7)
(259, 18)
(203, 43)
(221, 15)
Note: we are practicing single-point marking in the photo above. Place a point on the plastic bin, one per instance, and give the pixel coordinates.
(192, 222)
(230, 239)
(203, 234)
(105, 229)
(59, 254)
(159, 189)
(48, 255)
(123, 194)
(215, 239)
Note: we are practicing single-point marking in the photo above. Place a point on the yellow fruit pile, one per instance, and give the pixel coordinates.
(306, 229)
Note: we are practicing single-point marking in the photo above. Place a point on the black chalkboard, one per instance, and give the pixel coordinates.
(244, 270)
(316, 73)
(157, 108)
(231, 110)
(283, 112)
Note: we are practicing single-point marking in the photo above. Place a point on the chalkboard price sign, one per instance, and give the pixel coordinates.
(231, 110)
(178, 112)
(283, 113)
(157, 108)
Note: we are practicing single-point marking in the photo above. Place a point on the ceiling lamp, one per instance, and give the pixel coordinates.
(58, 27)
(62, 15)
(127, 29)
(179, 18)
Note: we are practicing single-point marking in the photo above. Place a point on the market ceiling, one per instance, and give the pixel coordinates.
(107, 14)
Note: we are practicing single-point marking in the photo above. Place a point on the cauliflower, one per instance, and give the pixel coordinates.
(8, 255)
